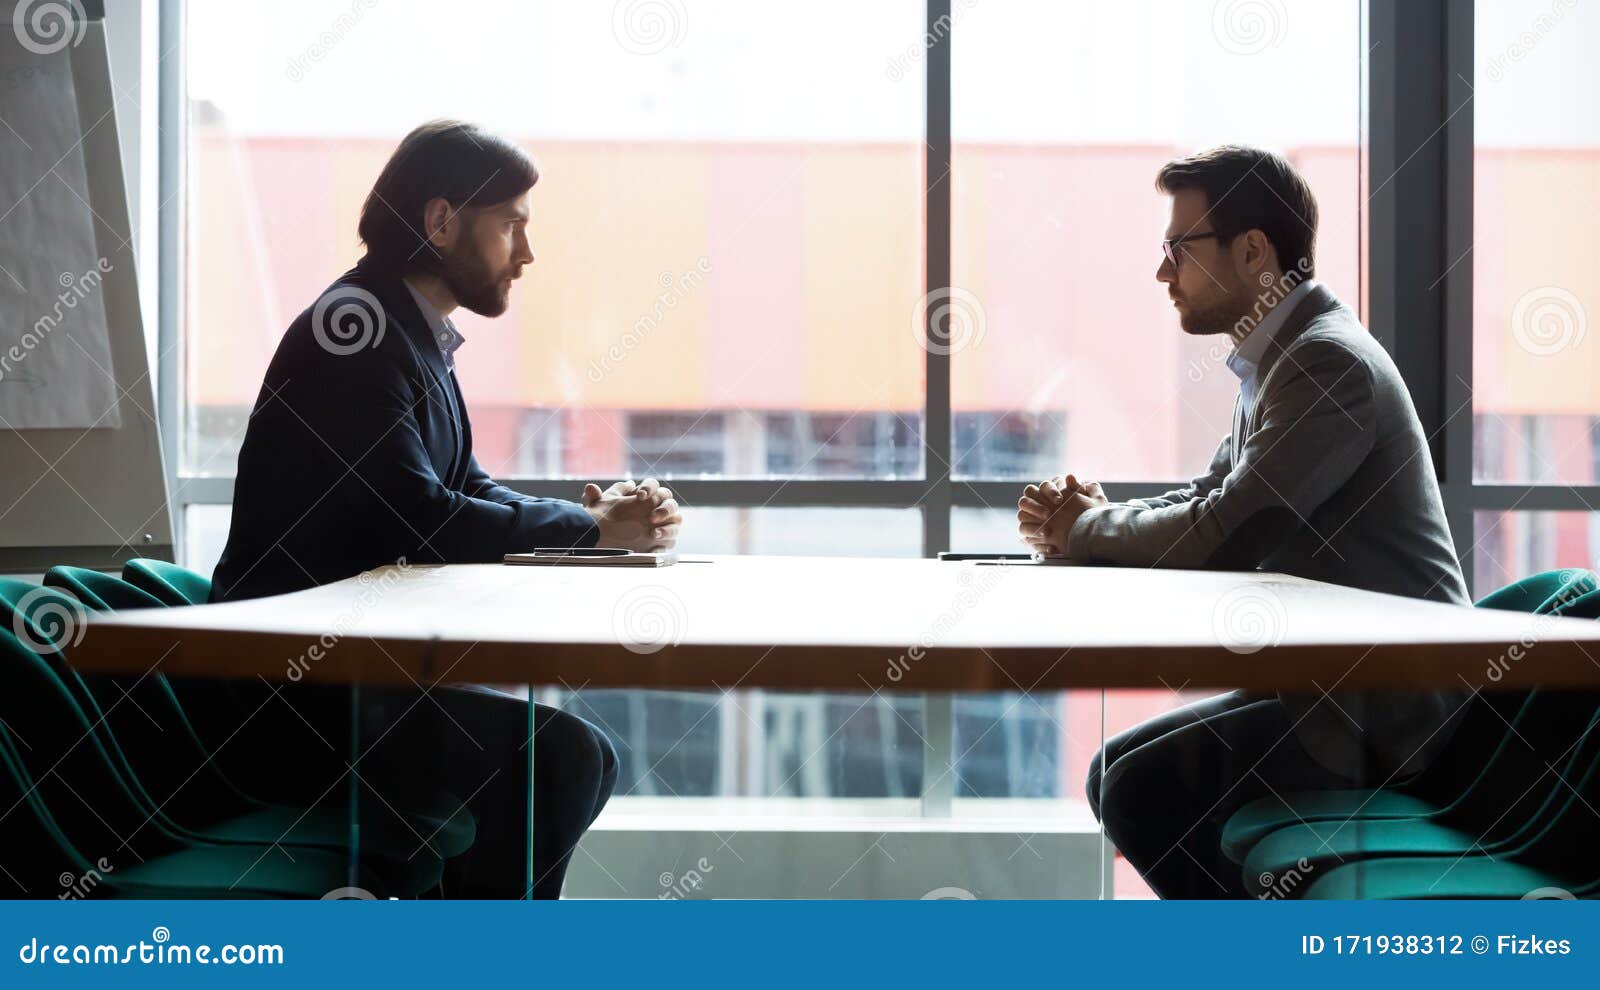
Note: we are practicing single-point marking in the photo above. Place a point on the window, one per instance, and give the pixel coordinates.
(883, 444)
(729, 293)
(1535, 367)
(719, 257)
(1509, 546)
(1536, 172)
(1062, 113)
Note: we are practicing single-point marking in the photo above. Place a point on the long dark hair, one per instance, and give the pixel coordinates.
(461, 162)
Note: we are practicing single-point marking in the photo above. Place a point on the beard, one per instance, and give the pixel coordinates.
(474, 285)
(1218, 316)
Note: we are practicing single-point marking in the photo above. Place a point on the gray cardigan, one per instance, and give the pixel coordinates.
(1327, 477)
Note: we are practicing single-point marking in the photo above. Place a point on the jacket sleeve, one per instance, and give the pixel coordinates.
(1315, 427)
(373, 433)
(565, 523)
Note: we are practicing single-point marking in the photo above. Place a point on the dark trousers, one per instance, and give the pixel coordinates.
(1163, 789)
(295, 745)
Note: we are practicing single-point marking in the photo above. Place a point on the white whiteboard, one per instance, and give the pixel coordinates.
(55, 353)
(81, 473)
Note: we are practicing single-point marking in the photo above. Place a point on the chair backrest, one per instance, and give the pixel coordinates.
(1541, 592)
(172, 584)
(70, 767)
(1586, 606)
(42, 618)
(1487, 732)
(35, 852)
(1566, 822)
(98, 590)
(47, 622)
(103, 592)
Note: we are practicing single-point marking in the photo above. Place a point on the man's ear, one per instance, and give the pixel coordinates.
(438, 221)
(1254, 255)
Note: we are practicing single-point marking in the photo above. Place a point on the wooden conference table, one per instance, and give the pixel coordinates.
(846, 625)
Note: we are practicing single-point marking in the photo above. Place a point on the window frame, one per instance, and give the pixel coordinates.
(1412, 150)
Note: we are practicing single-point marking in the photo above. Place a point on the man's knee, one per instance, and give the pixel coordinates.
(1130, 788)
(581, 748)
(1117, 803)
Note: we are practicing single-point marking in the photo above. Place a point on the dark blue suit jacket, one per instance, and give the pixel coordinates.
(359, 453)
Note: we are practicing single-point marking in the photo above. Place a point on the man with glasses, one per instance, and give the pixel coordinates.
(1325, 474)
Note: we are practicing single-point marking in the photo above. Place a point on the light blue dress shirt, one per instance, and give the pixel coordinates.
(443, 332)
(1245, 360)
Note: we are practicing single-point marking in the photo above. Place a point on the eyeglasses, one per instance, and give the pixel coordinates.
(1169, 246)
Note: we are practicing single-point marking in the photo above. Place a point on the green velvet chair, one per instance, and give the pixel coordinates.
(99, 591)
(1555, 855)
(215, 813)
(1501, 815)
(1458, 767)
(72, 809)
(1524, 792)
(432, 815)
(170, 583)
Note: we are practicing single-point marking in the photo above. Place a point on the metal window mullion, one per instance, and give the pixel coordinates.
(171, 131)
(1419, 155)
(1459, 162)
(1541, 497)
(938, 708)
(936, 419)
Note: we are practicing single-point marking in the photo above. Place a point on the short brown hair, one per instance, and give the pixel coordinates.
(1252, 189)
(461, 162)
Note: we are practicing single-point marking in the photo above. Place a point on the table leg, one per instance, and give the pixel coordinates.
(938, 757)
(532, 731)
(353, 794)
(1106, 892)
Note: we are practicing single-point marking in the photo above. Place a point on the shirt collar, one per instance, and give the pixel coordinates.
(443, 332)
(1248, 352)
